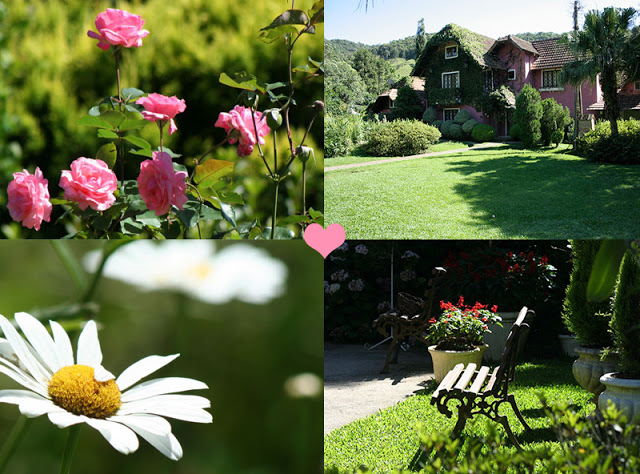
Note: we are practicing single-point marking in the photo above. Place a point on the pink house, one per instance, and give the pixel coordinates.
(461, 67)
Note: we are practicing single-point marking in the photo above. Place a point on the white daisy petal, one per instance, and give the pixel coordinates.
(64, 419)
(22, 378)
(119, 436)
(102, 375)
(29, 403)
(40, 340)
(166, 443)
(89, 352)
(141, 369)
(23, 352)
(63, 344)
(180, 407)
(151, 423)
(162, 386)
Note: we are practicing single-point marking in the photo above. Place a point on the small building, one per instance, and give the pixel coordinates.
(385, 101)
(628, 100)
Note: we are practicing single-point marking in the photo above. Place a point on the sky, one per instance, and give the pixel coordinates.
(387, 20)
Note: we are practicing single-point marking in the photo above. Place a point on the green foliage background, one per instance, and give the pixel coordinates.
(244, 352)
(55, 73)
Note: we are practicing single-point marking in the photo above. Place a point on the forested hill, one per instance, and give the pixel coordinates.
(540, 35)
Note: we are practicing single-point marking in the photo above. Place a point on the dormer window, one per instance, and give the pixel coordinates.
(451, 52)
(511, 75)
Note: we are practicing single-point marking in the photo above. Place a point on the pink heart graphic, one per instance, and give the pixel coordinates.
(326, 240)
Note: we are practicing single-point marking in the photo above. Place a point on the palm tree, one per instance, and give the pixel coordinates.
(608, 46)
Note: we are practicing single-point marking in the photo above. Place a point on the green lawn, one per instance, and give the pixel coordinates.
(356, 158)
(501, 192)
(388, 440)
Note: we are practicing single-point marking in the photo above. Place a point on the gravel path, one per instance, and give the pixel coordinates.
(354, 388)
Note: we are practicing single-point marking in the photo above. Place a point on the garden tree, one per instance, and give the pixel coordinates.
(421, 37)
(407, 105)
(344, 89)
(554, 117)
(528, 114)
(497, 103)
(374, 71)
(608, 46)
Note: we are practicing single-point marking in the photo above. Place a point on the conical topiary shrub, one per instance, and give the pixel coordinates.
(625, 322)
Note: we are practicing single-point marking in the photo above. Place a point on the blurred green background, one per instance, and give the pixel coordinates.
(244, 352)
(51, 73)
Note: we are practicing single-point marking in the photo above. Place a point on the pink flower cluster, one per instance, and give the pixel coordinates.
(162, 108)
(160, 185)
(118, 28)
(238, 124)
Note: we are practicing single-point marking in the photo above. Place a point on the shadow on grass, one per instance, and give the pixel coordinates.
(525, 192)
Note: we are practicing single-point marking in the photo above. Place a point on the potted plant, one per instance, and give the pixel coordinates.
(456, 336)
(588, 320)
(623, 387)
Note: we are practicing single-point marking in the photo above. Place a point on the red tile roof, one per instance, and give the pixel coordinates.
(553, 54)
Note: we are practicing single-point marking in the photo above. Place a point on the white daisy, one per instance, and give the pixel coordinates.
(85, 392)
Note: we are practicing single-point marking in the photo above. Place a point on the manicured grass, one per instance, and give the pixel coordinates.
(388, 440)
(363, 158)
(501, 192)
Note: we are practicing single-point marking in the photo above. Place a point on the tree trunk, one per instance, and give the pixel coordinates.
(610, 94)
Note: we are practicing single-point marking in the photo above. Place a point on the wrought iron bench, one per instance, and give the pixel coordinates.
(482, 391)
(411, 319)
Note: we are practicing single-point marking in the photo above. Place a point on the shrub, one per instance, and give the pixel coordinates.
(342, 134)
(554, 117)
(445, 128)
(430, 115)
(589, 321)
(456, 131)
(437, 124)
(401, 138)
(527, 116)
(557, 137)
(483, 133)
(599, 145)
(462, 116)
(468, 126)
(624, 322)
(515, 133)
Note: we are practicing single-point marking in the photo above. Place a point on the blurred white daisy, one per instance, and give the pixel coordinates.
(85, 392)
(238, 271)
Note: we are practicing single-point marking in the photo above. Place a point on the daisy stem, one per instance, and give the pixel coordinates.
(17, 433)
(70, 263)
(72, 442)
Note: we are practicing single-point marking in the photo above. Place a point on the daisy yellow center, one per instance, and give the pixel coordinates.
(75, 389)
(201, 271)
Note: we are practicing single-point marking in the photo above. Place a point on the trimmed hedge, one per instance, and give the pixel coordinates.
(437, 124)
(456, 131)
(557, 137)
(401, 138)
(445, 128)
(483, 133)
(599, 145)
(554, 118)
(468, 126)
(515, 132)
(462, 116)
(430, 115)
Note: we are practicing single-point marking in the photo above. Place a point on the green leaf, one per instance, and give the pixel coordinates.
(91, 121)
(130, 226)
(179, 167)
(101, 223)
(133, 121)
(143, 152)
(292, 220)
(230, 197)
(243, 80)
(149, 218)
(281, 233)
(134, 107)
(271, 35)
(108, 154)
(604, 271)
(168, 150)
(137, 141)
(276, 85)
(58, 201)
(289, 17)
(104, 133)
(210, 214)
(317, 13)
(114, 117)
(189, 215)
(210, 171)
(228, 213)
(131, 93)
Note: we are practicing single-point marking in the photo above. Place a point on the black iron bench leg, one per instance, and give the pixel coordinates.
(385, 369)
(505, 422)
(512, 401)
(464, 413)
(394, 359)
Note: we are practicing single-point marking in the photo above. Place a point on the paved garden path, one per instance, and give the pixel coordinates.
(354, 388)
(413, 157)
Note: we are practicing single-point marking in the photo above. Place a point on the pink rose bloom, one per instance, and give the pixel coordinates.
(240, 120)
(89, 183)
(161, 107)
(160, 185)
(29, 199)
(118, 28)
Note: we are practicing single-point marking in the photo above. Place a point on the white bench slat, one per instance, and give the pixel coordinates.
(482, 376)
(492, 380)
(464, 380)
(448, 380)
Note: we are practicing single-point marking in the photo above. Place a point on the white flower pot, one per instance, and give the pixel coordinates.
(588, 368)
(624, 393)
(444, 361)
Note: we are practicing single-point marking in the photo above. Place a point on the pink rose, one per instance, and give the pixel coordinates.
(239, 120)
(29, 199)
(118, 28)
(89, 183)
(160, 185)
(160, 107)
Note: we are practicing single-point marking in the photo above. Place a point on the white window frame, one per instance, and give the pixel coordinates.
(446, 51)
(449, 73)
(636, 85)
(549, 89)
(514, 75)
(444, 113)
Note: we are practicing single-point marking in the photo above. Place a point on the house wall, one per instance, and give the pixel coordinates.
(590, 93)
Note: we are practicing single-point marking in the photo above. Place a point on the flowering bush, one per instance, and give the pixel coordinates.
(461, 327)
(167, 199)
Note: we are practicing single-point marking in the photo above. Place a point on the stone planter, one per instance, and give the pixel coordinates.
(497, 338)
(569, 344)
(444, 361)
(624, 393)
(588, 368)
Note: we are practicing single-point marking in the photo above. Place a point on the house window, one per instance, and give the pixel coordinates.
(450, 80)
(450, 114)
(488, 80)
(511, 75)
(636, 85)
(451, 52)
(550, 79)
